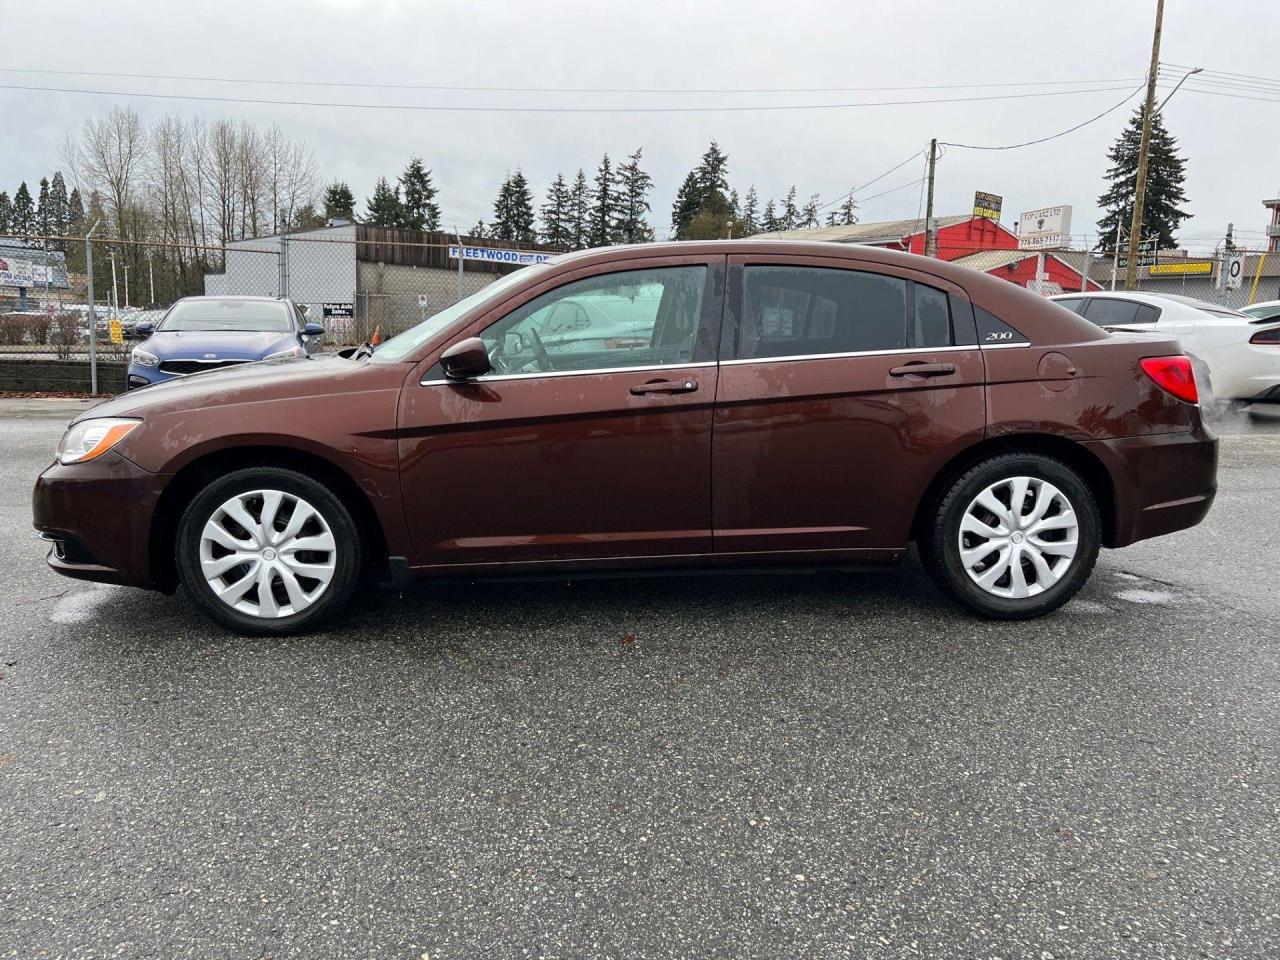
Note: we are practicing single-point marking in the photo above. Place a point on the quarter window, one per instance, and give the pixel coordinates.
(804, 311)
(639, 318)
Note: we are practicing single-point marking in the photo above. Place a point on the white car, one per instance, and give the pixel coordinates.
(1236, 356)
(1267, 310)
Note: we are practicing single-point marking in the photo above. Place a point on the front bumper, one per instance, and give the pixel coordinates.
(98, 517)
(1163, 482)
(140, 376)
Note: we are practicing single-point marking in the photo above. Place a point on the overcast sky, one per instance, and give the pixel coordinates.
(1232, 145)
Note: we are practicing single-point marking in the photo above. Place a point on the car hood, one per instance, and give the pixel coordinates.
(265, 381)
(217, 344)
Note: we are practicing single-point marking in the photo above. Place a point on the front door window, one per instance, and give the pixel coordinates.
(637, 318)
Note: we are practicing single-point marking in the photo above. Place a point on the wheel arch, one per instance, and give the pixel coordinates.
(201, 470)
(1075, 455)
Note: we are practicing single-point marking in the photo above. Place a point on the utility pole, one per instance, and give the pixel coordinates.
(931, 234)
(115, 289)
(1140, 188)
(93, 314)
(1115, 256)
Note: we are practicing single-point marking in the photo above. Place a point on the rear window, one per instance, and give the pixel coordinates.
(267, 316)
(1076, 306)
(1108, 312)
(812, 311)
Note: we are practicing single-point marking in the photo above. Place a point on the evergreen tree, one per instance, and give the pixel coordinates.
(306, 217)
(75, 215)
(44, 219)
(557, 221)
(770, 222)
(750, 216)
(634, 185)
(809, 215)
(602, 225)
(705, 190)
(579, 210)
(420, 209)
(23, 216)
(479, 231)
(384, 208)
(339, 202)
(513, 210)
(59, 212)
(844, 215)
(1166, 174)
(688, 203)
(790, 212)
(6, 212)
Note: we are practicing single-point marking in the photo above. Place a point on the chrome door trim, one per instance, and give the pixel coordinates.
(856, 353)
(553, 374)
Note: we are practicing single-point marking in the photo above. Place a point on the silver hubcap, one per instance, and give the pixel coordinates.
(267, 553)
(1018, 537)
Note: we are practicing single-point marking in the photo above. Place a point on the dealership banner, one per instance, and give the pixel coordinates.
(1045, 229)
(23, 273)
(987, 205)
(521, 258)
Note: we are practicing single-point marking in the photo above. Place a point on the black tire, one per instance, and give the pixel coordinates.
(939, 542)
(347, 553)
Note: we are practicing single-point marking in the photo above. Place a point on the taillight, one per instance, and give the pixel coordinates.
(1172, 375)
(1267, 338)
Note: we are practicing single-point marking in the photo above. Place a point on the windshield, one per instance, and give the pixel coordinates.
(267, 316)
(402, 344)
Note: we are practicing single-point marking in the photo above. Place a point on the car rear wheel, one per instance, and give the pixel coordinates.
(1013, 537)
(268, 551)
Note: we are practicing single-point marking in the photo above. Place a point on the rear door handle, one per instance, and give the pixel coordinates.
(923, 370)
(665, 386)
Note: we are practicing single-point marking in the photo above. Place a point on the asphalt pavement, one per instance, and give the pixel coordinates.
(814, 766)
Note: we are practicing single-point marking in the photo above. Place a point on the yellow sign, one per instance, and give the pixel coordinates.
(117, 332)
(1184, 267)
(987, 205)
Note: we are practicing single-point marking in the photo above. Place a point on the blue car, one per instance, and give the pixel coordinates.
(198, 334)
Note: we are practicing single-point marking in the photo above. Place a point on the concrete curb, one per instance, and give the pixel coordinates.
(61, 408)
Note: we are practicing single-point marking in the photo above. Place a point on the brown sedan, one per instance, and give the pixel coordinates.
(697, 405)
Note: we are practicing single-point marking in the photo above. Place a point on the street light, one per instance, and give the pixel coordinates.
(1179, 84)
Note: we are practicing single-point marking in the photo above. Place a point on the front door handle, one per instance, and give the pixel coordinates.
(923, 370)
(665, 386)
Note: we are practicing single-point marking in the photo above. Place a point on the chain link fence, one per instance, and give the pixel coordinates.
(360, 283)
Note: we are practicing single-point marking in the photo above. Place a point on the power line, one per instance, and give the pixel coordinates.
(454, 108)
(1225, 73)
(498, 89)
(864, 186)
(1031, 143)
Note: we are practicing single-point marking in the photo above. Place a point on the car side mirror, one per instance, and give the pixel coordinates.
(465, 359)
(313, 329)
(143, 329)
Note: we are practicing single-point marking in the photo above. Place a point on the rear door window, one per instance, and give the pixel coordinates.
(793, 311)
(1107, 312)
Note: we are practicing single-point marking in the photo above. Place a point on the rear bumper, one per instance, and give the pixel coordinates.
(1163, 482)
(98, 517)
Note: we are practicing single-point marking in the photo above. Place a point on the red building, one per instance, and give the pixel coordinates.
(975, 242)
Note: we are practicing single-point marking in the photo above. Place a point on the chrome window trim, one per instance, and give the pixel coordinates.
(857, 353)
(1004, 346)
(555, 374)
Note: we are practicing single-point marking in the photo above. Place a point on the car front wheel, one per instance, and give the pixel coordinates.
(1013, 537)
(268, 551)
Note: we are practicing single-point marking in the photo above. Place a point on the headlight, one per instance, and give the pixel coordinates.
(142, 358)
(286, 354)
(92, 438)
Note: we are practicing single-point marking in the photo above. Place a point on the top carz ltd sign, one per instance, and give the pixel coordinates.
(1044, 229)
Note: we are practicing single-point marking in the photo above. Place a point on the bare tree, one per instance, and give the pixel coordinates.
(108, 158)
